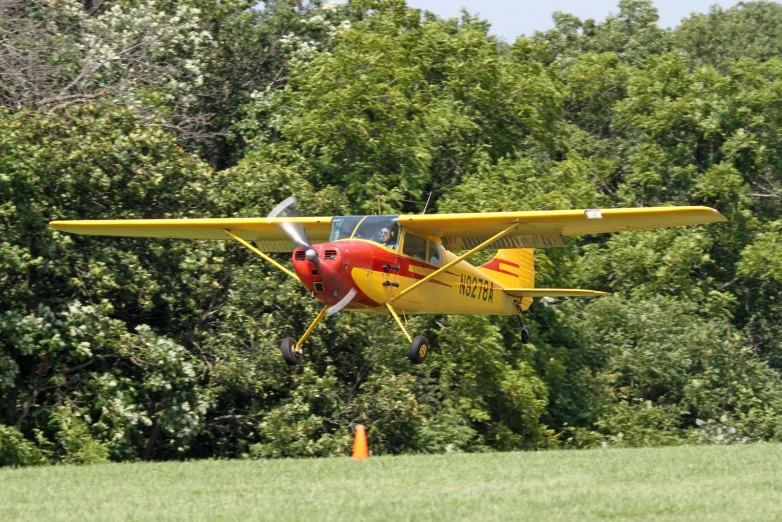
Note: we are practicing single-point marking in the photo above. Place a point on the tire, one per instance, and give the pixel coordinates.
(419, 349)
(525, 335)
(289, 353)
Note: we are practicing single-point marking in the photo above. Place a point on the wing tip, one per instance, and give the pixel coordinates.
(720, 217)
(58, 225)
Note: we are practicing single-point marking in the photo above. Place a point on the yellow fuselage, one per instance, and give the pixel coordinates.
(462, 289)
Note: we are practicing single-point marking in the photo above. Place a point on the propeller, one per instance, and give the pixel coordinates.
(297, 234)
(342, 303)
(287, 208)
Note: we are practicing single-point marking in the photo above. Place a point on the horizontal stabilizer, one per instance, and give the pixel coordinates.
(553, 292)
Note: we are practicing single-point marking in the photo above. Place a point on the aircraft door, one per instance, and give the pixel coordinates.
(393, 265)
(385, 232)
(412, 253)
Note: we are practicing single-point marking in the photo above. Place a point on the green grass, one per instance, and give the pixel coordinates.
(683, 483)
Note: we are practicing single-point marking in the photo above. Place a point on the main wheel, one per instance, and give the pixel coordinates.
(289, 353)
(419, 349)
(525, 335)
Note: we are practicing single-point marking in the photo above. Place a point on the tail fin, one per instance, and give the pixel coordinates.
(513, 268)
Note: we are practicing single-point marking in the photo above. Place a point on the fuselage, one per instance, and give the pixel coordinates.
(379, 273)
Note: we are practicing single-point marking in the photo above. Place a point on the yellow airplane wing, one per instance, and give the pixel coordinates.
(267, 233)
(541, 229)
(536, 229)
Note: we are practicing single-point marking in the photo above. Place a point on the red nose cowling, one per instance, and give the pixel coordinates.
(329, 278)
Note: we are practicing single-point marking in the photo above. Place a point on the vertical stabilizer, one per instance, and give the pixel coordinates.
(513, 268)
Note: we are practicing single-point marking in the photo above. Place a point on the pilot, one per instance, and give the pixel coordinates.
(385, 238)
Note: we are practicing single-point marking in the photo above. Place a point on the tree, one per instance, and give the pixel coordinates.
(72, 320)
(748, 30)
(403, 106)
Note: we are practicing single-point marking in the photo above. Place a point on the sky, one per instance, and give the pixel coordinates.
(510, 18)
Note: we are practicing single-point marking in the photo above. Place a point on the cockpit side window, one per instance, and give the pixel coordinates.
(414, 246)
(434, 253)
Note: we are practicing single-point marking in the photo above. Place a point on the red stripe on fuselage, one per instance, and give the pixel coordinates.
(494, 265)
(382, 257)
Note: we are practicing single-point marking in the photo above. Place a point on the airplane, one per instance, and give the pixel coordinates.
(407, 264)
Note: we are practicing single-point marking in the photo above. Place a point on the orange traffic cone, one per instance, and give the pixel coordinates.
(360, 450)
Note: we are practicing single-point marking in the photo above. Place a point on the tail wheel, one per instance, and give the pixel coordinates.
(525, 335)
(289, 353)
(419, 349)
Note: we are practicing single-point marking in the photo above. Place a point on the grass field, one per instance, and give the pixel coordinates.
(683, 483)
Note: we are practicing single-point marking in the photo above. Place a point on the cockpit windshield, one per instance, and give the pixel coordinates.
(383, 230)
(342, 227)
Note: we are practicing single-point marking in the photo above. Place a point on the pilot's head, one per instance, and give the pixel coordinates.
(385, 235)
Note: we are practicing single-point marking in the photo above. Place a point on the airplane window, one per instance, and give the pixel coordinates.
(383, 230)
(342, 227)
(414, 246)
(434, 253)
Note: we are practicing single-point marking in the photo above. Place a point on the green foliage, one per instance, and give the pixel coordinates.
(760, 263)
(762, 258)
(639, 424)
(632, 34)
(746, 30)
(56, 350)
(402, 105)
(489, 386)
(74, 441)
(299, 427)
(15, 450)
(666, 371)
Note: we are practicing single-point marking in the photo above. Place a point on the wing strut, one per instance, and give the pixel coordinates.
(457, 260)
(264, 256)
(404, 331)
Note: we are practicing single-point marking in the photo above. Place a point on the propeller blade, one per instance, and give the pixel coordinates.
(342, 303)
(282, 205)
(287, 208)
(297, 235)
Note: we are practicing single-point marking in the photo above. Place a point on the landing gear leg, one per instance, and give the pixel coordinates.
(419, 347)
(291, 350)
(525, 335)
